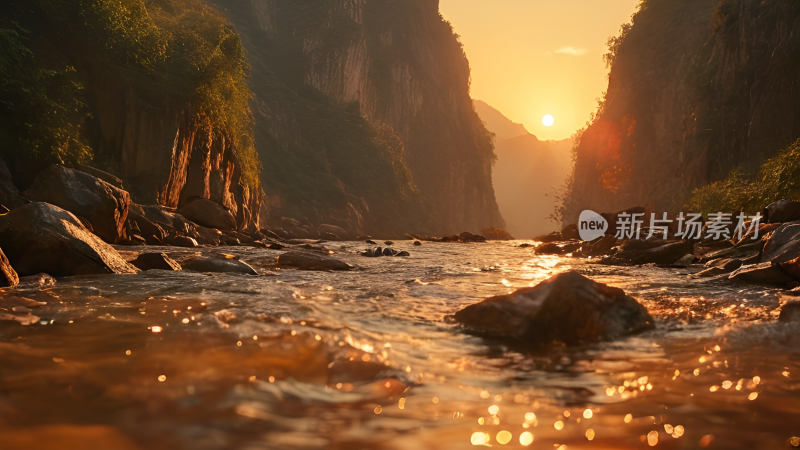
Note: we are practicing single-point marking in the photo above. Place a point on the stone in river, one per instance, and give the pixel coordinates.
(155, 261)
(403, 253)
(206, 263)
(43, 238)
(768, 272)
(103, 205)
(311, 261)
(417, 243)
(208, 214)
(783, 244)
(781, 211)
(567, 307)
(8, 276)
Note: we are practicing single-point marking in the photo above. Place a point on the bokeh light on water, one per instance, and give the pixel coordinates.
(368, 359)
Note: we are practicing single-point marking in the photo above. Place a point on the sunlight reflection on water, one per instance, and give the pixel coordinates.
(365, 359)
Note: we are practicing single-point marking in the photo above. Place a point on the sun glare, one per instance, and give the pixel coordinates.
(548, 120)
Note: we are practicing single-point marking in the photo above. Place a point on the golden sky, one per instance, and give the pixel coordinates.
(535, 57)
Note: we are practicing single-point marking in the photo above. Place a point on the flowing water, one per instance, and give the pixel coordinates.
(368, 359)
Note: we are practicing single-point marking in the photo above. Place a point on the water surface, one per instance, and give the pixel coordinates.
(367, 359)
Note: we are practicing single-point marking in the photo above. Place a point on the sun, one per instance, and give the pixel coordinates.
(548, 120)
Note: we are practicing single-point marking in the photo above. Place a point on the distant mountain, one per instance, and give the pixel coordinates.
(497, 123)
(526, 175)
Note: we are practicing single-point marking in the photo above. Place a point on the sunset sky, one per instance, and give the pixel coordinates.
(530, 58)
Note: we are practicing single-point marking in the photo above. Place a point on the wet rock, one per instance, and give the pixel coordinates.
(769, 272)
(790, 312)
(598, 247)
(9, 195)
(525, 245)
(567, 307)
(370, 241)
(781, 211)
(552, 237)
(34, 282)
(103, 205)
(783, 244)
(40, 237)
(152, 233)
(664, 254)
(389, 252)
(208, 214)
(719, 267)
(685, 261)
(216, 263)
(311, 261)
(417, 243)
(181, 241)
(155, 261)
(8, 276)
(373, 252)
(570, 233)
(403, 253)
(208, 236)
(469, 237)
(553, 248)
(388, 242)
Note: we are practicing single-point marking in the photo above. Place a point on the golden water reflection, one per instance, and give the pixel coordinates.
(366, 359)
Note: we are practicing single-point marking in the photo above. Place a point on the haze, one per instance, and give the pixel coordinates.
(534, 57)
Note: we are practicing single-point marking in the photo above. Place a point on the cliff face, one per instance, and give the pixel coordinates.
(696, 89)
(147, 123)
(387, 71)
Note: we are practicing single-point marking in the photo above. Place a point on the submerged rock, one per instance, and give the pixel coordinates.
(155, 261)
(311, 261)
(103, 205)
(216, 263)
(42, 238)
(208, 214)
(567, 307)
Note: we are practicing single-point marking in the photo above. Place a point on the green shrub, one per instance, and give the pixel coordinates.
(778, 178)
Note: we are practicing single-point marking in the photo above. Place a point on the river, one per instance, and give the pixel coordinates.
(368, 359)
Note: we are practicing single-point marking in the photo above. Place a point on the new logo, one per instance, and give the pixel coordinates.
(591, 225)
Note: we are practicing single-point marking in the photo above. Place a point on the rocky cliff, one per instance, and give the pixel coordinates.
(696, 88)
(363, 115)
(164, 112)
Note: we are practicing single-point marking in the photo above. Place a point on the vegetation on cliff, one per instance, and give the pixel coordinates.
(778, 178)
(181, 51)
(697, 88)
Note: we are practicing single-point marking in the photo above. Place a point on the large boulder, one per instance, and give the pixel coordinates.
(311, 261)
(152, 233)
(208, 214)
(567, 307)
(103, 205)
(9, 195)
(781, 211)
(42, 238)
(783, 244)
